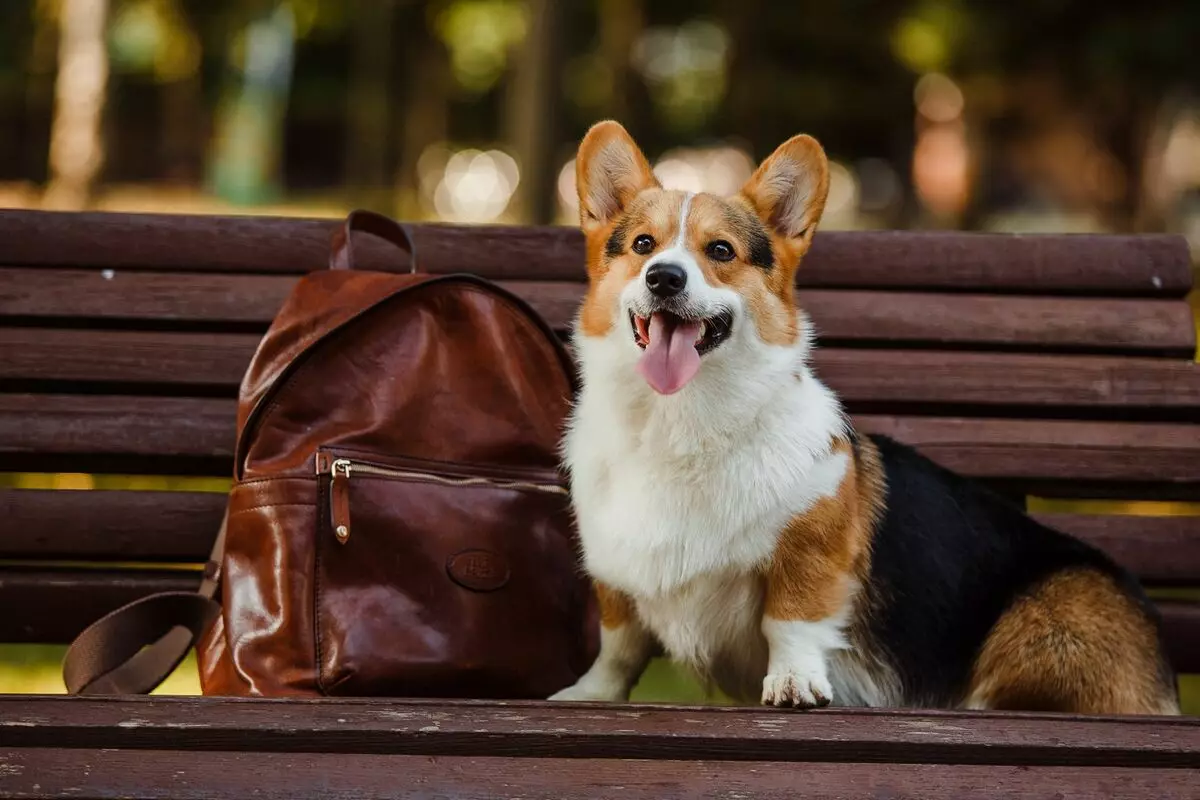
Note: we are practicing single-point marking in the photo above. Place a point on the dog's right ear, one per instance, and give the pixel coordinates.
(610, 170)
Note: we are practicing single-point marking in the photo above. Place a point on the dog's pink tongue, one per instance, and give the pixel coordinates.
(670, 360)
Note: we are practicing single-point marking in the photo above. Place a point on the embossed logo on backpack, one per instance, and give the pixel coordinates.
(478, 570)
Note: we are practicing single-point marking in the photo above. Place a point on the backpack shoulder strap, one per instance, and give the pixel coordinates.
(134, 648)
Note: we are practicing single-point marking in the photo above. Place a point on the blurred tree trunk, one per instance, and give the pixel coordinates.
(76, 143)
(184, 123)
(423, 115)
(245, 165)
(620, 23)
(183, 129)
(1131, 146)
(743, 20)
(368, 104)
(534, 102)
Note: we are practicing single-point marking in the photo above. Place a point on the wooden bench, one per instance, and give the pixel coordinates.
(1048, 366)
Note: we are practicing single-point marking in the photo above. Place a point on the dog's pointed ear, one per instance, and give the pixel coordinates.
(610, 170)
(788, 189)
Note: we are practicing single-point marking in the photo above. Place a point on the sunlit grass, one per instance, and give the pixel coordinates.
(37, 669)
(81, 482)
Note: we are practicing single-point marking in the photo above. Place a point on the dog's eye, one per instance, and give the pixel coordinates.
(720, 250)
(643, 244)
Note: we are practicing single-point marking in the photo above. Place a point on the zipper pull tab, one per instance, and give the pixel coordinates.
(339, 499)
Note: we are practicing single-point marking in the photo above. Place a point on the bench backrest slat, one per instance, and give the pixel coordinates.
(1148, 265)
(207, 301)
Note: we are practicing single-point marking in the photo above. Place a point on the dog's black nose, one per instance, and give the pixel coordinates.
(666, 280)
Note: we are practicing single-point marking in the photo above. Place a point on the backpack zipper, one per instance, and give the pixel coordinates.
(340, 470)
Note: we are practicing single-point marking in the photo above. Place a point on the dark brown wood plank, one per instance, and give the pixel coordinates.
(858, 375)
(1159, 550)
(1162, 327)
(173, 775)
(582, 730)
(54, 605)
(988, 448)
(143, 296)
(145, 426)
(140, 357)
(1108, 264)
(1008, 379)
(1087, 264)
(156, 526)
(100, 525)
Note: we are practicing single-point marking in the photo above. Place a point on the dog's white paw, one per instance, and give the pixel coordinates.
(589, 692)
(796, 690)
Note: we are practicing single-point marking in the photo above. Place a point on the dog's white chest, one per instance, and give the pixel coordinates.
(651, 534)
(713, 625)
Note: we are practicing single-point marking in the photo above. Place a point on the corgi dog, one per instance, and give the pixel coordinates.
(731, 518)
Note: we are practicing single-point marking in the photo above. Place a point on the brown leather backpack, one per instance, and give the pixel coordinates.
(398, 524)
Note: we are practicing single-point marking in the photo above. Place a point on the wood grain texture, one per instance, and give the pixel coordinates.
(143, 296)
(1009, 379)
(990, 448)
(144, 426)
(1101, 325)
(582, 730)
(157, 526)
(48, 605)
(66, 425)
(172, 359)
(1159, 550)
(114, 526)
(1160, 327)
(156, 358)
(176, 775)
(1090, 264)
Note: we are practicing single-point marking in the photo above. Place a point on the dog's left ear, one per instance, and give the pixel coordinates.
(610, 171)
(788, 189)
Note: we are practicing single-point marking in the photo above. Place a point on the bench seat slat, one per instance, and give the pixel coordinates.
(171, 774)
(1159, 327)
(75, 425)
(1115, 265)
(58, 603)
(163, 526)
(553, 730)
(165, 359)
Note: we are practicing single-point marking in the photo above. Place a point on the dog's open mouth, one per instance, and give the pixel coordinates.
(710, 331)
(673, 345)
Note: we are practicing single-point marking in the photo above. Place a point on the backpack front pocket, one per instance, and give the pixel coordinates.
(442, 580)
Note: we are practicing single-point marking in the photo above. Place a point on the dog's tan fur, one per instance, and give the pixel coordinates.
(1077, 644)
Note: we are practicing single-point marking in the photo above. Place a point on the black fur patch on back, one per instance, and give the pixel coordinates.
(947, 559)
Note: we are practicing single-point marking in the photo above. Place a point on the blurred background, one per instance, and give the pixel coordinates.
(1050, 115)
(1027, 115)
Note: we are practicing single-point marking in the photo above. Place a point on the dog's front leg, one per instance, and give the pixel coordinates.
(625, 649)
(802, 621)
